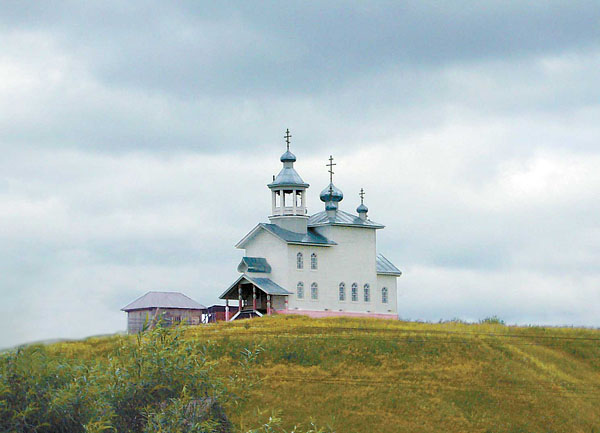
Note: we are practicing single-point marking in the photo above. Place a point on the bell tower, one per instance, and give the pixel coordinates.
(288, 194)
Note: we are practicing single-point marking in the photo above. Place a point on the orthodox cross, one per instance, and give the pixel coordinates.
(362, 195)
(330, 165)
(287, 138)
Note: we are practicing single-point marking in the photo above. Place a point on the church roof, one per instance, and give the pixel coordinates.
(384, 266)
(164, 300)
(288, 177)
(341, 219)
(254, 264)
(309, 238)
(265, 284)
(288, 157)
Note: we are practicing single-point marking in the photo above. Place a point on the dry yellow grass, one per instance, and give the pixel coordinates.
(391, 376)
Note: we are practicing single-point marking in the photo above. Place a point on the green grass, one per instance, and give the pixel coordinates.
(363, 375)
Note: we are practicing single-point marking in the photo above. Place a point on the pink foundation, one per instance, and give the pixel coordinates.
(321, 314)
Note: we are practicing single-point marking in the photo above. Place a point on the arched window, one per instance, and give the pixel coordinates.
(313, 261)
(354, 292)
(299, 261)
(300, 290)
(367, 293)
(314, 291)
(342, 292)
(384, 295)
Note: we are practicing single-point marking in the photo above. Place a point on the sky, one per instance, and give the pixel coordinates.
(137, 139)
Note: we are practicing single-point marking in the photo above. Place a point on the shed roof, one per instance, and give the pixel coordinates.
(384, 266)
(341, 218)
(164, 300)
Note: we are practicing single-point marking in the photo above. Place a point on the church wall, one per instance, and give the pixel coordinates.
(352, 260)
(275, 251)
(391, 282)
(278, 302)
(296, 224)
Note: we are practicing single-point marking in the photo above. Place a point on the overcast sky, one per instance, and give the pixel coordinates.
(137, 139)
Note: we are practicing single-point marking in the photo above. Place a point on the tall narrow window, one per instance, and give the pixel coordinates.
(342, 292)
(300, 290)
(367, 293)
(384, 295)
(314, 291)
(313, 261)
(299, 261)
(354, 292)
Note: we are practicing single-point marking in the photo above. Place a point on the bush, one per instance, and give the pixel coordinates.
(156, 382)
(494, 320)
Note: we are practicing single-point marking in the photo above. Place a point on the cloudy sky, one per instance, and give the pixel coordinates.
(137, 138)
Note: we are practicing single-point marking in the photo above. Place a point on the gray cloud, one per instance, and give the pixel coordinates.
(193, 49)
(136, 143)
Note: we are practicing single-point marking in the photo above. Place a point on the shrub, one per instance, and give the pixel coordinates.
(157, 379)
(494, 320)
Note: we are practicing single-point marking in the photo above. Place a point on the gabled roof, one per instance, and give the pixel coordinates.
(264, 284)
(164, 300)
(341, 219)
(254, 264)
(385, 267)
(309, 238)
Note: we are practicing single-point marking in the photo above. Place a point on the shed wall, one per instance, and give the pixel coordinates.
(137, 318)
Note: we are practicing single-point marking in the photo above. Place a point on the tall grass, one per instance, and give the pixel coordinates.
(281, 372)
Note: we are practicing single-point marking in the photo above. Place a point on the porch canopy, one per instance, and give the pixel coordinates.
(253, 293)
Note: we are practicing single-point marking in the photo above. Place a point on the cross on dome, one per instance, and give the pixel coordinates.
(362, 209)
(331, 195)
(288, 157)
(330, 165)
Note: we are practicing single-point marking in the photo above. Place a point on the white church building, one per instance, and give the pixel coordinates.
(322, 265)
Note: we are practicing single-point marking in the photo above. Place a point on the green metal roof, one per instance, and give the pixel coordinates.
(311, 237)
(265, 284)
(254, 264)
(341, 218)
(384, 266)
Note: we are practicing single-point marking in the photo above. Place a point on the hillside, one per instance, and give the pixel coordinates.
(390, 376)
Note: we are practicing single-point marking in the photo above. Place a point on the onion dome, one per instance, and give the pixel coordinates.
(288, 157)
(331, 194)
(362, 208)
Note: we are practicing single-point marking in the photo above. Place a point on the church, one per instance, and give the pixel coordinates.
(321, 265)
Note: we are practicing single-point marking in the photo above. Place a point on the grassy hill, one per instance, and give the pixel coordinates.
(362, 375)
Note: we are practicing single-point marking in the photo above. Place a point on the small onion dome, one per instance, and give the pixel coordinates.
(288, 157)
(362, 208)
(331, 193)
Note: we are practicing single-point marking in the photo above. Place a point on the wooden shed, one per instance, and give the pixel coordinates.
(173, 307)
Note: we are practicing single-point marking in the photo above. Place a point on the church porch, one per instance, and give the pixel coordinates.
(254, 297)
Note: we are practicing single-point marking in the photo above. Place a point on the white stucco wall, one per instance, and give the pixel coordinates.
(391, 282)
(352, 260)
(266, 245)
